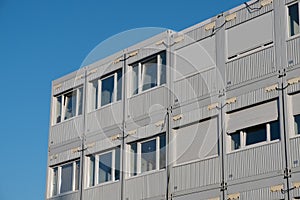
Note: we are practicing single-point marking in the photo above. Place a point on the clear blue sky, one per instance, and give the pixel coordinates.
(41, 40)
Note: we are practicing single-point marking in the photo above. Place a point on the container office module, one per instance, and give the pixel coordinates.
(210, 112)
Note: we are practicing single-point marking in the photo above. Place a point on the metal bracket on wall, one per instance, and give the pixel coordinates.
(223, 186)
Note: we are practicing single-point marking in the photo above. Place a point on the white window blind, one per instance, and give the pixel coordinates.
(197, 141)
(250, 34)
(252, 116)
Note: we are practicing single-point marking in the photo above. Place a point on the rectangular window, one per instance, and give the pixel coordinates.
(106, 90)
(297, 124)
(293, 17)
(54, 181)
(65, 178)
(148, 162)
(91, 171)
(94, 94)
(148, 73)
(235, 140)
(147, 155)
(104, 167)
(256, 134)
(135, 79)
(68, 105)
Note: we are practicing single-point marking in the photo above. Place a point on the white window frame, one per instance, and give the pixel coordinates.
(59, 178)
(99, 92)
(96, 168)
(141, 75)
(63, 105)
(288, 22)
(139, 157)
(243, 136)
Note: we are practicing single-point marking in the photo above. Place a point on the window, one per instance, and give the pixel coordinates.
(148, 73)
(104, 167)
(293, 19)
(65, 178)
(297, 124)
(255, 134)
(241, 41)
(106, 90)
(148, 155)
(68, 105)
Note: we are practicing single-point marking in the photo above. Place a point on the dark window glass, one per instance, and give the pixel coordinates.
(105, 168)
(92, 171)
(235, 140)
(117, 164)
(275, 130)
(148, 160)
(77, 172)
(297, 124)
(256, 134)
(135, 79)
(66, 178)
(163, 69)
(95, 95)
(107, 90)
(80, 101)
(70, 104)
(58, 108)
(54, 181)
(149, 74)
(294, 19)
(133, 159)
(119, 85)
(162, 149)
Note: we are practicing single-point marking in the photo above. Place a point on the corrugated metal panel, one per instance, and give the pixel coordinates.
(213, 194)
(250, 67)
(195, 175)
(69, 84)
(251, 98)
(145, 132)
(194, 115)
(267, 159)
(263, 193)
(248, 13)
(104, 117)
(146, 186)
(196, 57)
(294, 88)
(295, 153)
(142, 104)
(197, 141)
(103, 70)
(72, 196)
(102, 144)
(66, 130)
(194, 35)
(144, 53)
(196, 85)
(293, 52)
(110, 191)
(249, 35)
(64, 156)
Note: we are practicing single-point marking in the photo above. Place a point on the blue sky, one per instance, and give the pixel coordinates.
(42, 40)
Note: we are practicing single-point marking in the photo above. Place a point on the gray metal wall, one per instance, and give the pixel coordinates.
(216, 70)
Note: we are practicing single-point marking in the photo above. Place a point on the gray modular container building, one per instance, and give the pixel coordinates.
(209, 113)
